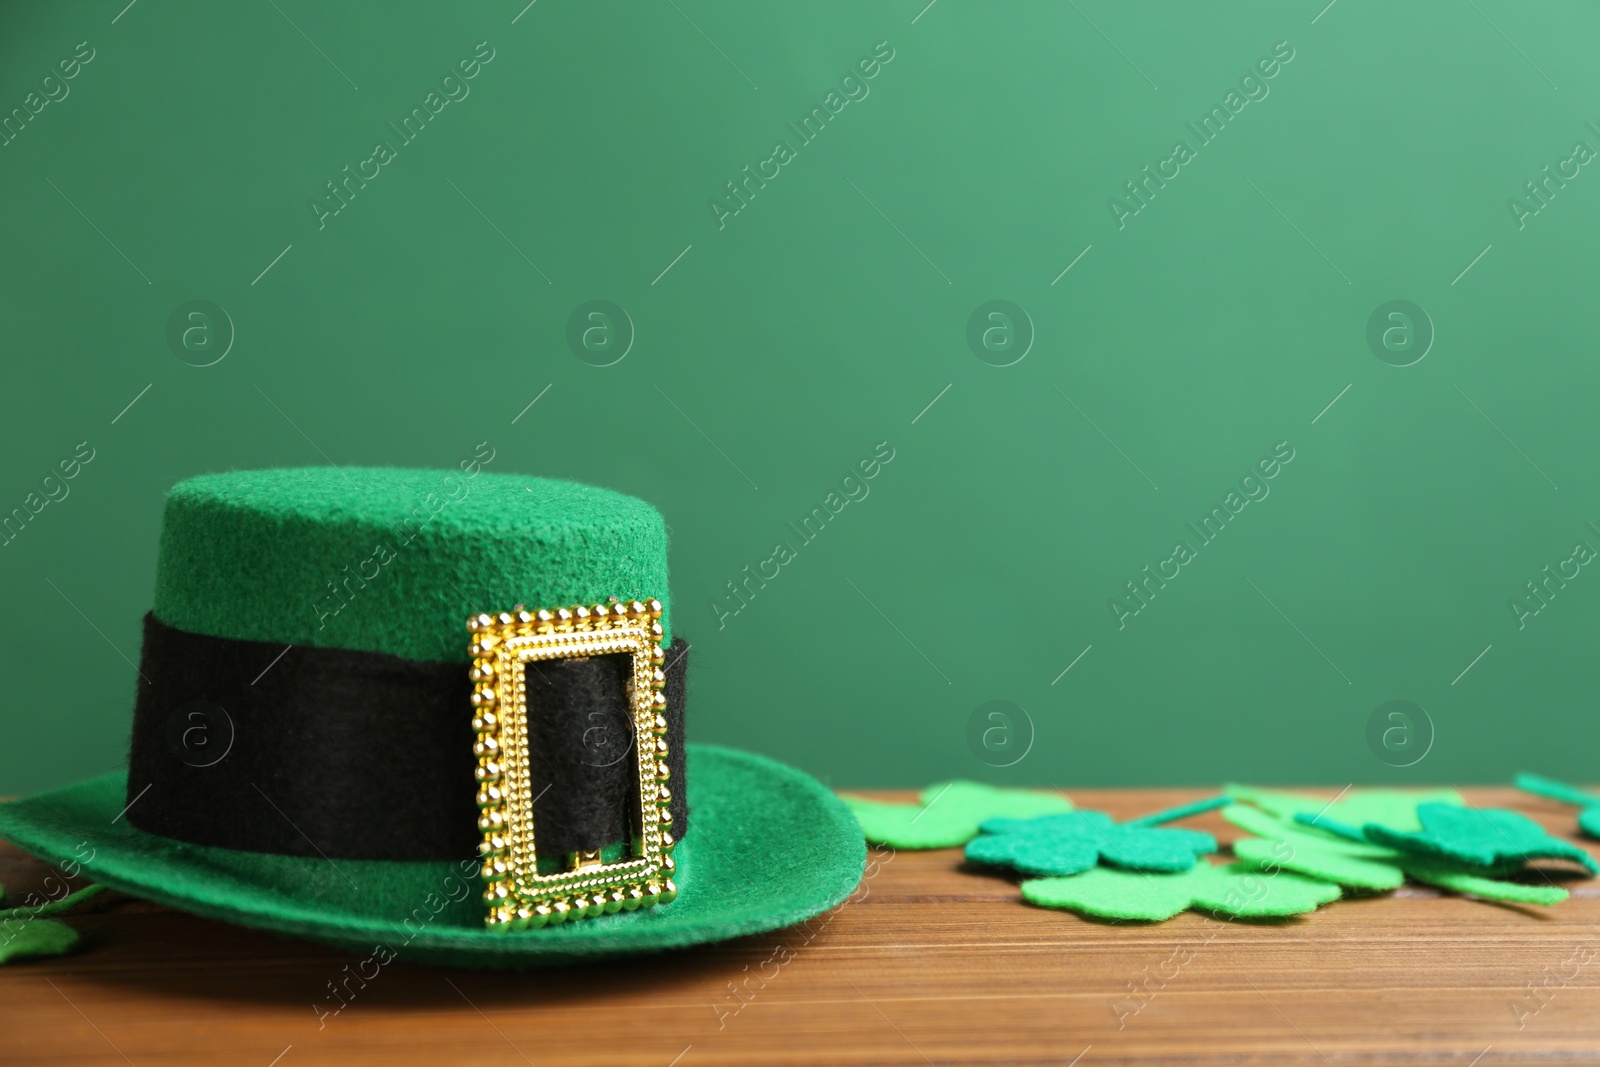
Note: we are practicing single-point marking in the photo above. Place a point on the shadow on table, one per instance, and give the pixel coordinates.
(142, 947)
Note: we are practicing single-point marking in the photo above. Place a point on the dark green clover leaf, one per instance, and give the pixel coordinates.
(1070, 843)
(1484, 837)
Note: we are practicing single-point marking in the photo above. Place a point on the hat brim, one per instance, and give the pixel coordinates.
(768, 846)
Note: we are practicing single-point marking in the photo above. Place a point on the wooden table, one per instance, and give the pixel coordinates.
(927, 964)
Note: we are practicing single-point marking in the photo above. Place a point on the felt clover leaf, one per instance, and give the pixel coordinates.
(1076, 841)
(1396, 809)
(1236, 889)
(1588, 818)
(1358, 865)
(949, 814)
(1345, 856)
(1459, 878)
(1311, 844)
(24, 931)
(1479, 836)
(21, 937)
(51, 907)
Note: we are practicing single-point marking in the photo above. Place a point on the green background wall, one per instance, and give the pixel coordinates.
(780, 349)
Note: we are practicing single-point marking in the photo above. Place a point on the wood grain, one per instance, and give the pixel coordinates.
(928, 964)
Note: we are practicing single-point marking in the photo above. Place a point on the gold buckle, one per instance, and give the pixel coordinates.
(518, 896)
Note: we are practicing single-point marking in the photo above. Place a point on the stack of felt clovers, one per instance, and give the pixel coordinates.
(1371, 841)
(1305, 852)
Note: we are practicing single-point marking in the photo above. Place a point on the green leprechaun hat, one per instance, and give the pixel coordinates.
(439, 715)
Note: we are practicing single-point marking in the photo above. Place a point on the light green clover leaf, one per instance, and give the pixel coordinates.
(1310, 852)
(25, 932)
(1235, 889)
(22, 937)
(1391, 807)
(949, 814)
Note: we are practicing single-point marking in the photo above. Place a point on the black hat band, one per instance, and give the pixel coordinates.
(363, 755)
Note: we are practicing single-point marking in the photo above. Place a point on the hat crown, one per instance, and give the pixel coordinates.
(394, 560)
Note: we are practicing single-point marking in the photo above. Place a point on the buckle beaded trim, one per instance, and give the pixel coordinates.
(517, 895)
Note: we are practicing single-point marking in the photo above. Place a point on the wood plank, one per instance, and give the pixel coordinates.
(929, 963)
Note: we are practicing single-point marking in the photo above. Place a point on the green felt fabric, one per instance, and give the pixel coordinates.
(949, 814)
(1549, 787)
(1306, 851)
(769, 847)
(1235, 889)
(1391, 807)
(1479, 836)
(1076, 841)
(52, 907)
(1588, 818)
(1459, 879)
(1295, 846)
(35, 937)
(387, 560)
(1182, 811)
(1331, 826)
